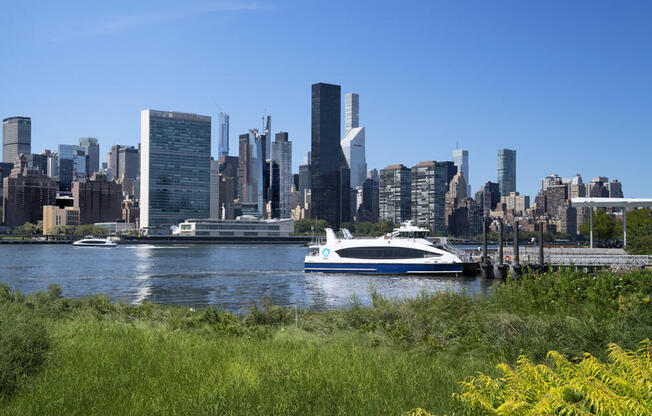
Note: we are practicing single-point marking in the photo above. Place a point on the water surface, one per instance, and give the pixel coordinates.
(228, 276)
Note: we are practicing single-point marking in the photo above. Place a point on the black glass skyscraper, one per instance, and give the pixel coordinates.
(330, 197)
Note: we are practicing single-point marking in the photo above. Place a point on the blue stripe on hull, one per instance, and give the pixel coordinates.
(379, 268)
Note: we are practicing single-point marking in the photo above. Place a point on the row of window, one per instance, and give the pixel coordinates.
(381, 253)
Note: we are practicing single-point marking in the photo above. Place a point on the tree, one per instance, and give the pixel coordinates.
(639, 231)
(605, 227)
(308, 226)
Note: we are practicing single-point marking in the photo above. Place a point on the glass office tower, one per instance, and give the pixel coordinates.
(175, 168)
(506, 171)
(330, 173)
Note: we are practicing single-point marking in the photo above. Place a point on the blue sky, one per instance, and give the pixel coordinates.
(566, 84)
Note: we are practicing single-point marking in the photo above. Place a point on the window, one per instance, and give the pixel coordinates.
(384, 253)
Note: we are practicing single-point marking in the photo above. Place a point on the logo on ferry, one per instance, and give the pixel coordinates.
(326, 252)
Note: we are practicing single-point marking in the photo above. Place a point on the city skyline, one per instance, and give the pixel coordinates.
(566, 107)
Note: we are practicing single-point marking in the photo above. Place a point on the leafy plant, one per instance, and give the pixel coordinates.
(590, 387)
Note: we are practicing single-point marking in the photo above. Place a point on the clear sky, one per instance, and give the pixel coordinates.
(568, 84)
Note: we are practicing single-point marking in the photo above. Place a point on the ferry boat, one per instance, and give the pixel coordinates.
(90, 241)
(406, 250)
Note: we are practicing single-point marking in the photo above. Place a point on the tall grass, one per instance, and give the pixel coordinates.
(385, 358)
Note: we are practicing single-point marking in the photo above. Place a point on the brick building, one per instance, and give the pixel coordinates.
(24, 193)
(98, 200)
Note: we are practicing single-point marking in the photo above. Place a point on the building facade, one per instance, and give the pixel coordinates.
(330, 193)
(282, 156)
(506, 171)
(53, 217)
(72, 165)
(16, 138)
(395, 194)
(24, 193)
(175, 168)
(242, 227)
(461, 161)
(215, 189)
(97, 199)
(92, 147)
(353, 143)
(430, 181)
(223, 144)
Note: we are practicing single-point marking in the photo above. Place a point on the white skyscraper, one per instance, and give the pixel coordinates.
(461, 161)
(223, 149)
(353, 143)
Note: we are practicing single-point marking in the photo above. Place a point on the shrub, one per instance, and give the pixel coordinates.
(23, 345)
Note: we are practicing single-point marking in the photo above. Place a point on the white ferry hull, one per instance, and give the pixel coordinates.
(384, 268)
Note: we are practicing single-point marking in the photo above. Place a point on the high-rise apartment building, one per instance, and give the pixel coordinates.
(282, 156)
(16, 138)
(175, 168)
(223, 149)
(353, 143)
(430, 181)
(330, 193)
(515, 201)
(461, 161)
(215, 189)
(369, 201)
(92, 147)
(506, 171)
(97, 199)
(24, 193)
(395, 194)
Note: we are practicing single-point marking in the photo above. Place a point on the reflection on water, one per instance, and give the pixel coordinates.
(227, 276)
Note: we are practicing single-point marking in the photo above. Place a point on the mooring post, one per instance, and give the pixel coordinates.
(487, 269)
(516, 267)
(500, 242)
(500, 270)
(541, 246)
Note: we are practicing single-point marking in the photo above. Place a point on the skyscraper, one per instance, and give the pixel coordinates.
(223, 149)
(461, 161)
(72, 165)
(282, 156)
(395, 198)
(506, 171)
(16, 138)
(215, 189)
(352, 108)
(267, 140)
(251, 169)
(330, 197)
(353, 143)
(93, 151)
(123, 160)
(175, 168)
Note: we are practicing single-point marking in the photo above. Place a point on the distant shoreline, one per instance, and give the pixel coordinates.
(172, 239)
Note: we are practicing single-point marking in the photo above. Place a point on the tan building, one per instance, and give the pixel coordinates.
(515, 201)
(54, 216)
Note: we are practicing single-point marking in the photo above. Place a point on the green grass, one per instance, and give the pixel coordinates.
(111, 367)
(387, 358)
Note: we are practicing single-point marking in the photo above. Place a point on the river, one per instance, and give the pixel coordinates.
(231, 277)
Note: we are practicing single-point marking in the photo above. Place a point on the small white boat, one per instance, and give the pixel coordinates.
(90, 241)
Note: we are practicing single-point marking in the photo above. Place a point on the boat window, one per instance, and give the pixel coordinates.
(384, 253)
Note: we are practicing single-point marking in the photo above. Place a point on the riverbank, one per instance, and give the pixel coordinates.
(387, 358)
